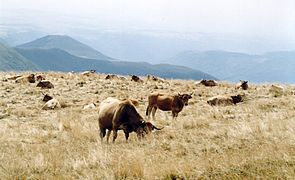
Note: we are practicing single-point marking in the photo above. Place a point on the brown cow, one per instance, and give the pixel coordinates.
(111, 76)
(114, 115)
(45, 84)
(25, 79)
(225, 100)
(208, 82)
(167, 103)
(46, 98)
(242, 84)
(136, 78)
(39, 78)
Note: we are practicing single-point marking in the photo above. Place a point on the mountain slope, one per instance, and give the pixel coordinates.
(269, 67)
(10, 60)
(59, 60)
(65, 43)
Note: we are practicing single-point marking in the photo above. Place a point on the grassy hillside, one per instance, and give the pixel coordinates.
(59, 60)
(65, 43)
(269, 67)
(250, 140)
(11, 60)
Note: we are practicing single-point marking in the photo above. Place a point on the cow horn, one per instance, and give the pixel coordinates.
(192, 93)
(154, 127)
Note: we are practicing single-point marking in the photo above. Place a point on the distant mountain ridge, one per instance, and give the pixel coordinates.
(60, 60)
(232, 66)
(11, 60)
(65, 43)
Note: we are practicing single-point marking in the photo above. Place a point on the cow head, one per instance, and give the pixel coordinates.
(185, 97)
(149, 127)
(145, 128)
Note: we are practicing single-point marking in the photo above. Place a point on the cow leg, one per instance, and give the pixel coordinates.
(108, 135)
(102, 134)
(154, 112)
(174, 115)
(148, 111)
(115, 134)
(126, 135)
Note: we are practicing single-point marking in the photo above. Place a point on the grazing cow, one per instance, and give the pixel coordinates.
(136, 79)
(167, 103)
(208, 82)
(225, 100)
(25, 79)
(40, 78)
(114, 115)
(45, 84)
(46, 98)
(154, 78)
(242, 84)
(88, 73)
(51, 104)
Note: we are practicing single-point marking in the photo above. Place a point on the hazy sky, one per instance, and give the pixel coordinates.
(273, 18)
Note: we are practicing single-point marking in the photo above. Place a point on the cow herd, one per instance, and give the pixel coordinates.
(115, 114)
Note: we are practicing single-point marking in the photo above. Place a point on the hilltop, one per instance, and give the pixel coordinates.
(65, 43)
(11, 60)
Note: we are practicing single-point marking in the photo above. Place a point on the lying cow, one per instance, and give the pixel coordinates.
(14, 77)
(114, 115)
(242, 84)
(51, 104)
(167, 102)
(88, 73)
(154, 78)
(111, 77)
(39, 78)
(208, 82)
(47, 97)
(45, 84)
(136, 78)
(225, 100)
(26, 79)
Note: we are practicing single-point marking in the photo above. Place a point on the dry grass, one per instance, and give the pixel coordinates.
(254, 139)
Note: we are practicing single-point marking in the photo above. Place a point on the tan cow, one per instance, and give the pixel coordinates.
(165, 102)
(26, 79)
(225, 100)
(242, 84)
(88, 73)
(114, 115)
(51, 104)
